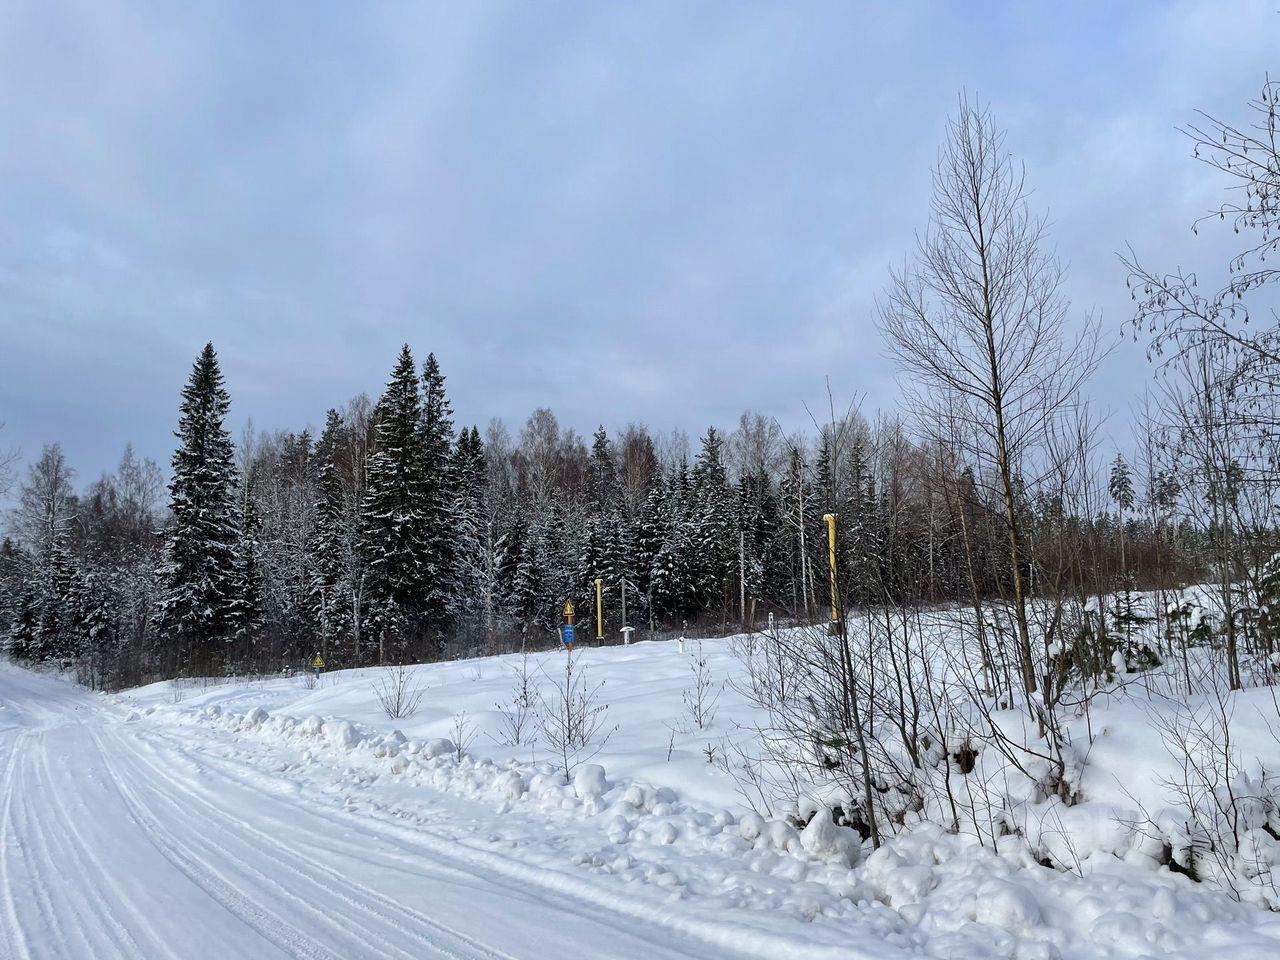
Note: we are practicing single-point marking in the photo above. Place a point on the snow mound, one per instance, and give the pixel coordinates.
(823, 840)
(341, 734)
(589, 781)
(1008, 906)
(439, 747)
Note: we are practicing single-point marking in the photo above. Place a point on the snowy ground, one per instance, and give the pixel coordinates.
(150, 840)
(266, 818)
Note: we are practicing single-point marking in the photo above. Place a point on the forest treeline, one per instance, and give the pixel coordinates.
(397, 533)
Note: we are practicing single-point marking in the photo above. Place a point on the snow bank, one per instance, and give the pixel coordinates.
(758, 884)
(658, 810)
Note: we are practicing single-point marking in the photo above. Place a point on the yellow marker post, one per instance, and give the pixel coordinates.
(599, 609)
(830, 519)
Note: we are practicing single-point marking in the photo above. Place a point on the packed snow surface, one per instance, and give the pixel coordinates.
(282, 817)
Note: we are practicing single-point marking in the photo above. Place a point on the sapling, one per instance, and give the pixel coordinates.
(517, 717)
(701, 698)
(463, 734)
(399, 693)
(571, 718)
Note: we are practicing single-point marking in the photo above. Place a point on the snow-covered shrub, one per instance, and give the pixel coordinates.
(825, 840)
(1223, 822)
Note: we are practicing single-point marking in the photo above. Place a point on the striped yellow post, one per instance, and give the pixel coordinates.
(599, 609)
(830, 519)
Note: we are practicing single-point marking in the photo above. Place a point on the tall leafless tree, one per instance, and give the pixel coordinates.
(979, 320)
(1234, 322)
(8, 458)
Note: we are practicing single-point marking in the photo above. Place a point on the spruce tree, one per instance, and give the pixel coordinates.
(438, 495)
(605, 543)
(26, 624)
(1120, 486)
(650, 534)
(90, 623)
(56, 575)
(558, 562)
(1268, 622)
(284, 531)
(330, 542)
(714, 531)
(201, 551)
(472, 565)
(619, 550)
(247, 615)
(603, 478)
(544, 576)
(674, 584)
(801, 519)
(765, 548)
(523, 577)
(673, 572)
(393, 536)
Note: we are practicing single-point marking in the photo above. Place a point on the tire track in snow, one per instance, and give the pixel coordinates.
(574, 894)
(59, 854)
(398, 908)
(43, 872)
(397, 917)
(81, 852)
(264, 922)
(14, 936)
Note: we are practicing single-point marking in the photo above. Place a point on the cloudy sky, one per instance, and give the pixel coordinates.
(642, 211)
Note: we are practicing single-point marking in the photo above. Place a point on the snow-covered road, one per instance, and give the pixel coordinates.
(271, 817)
(123, 840)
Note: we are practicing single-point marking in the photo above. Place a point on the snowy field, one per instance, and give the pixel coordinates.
(657, 827)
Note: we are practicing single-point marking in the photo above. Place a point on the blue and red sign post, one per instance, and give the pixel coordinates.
(567, 632)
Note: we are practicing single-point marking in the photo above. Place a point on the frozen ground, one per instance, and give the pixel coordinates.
(266, 818)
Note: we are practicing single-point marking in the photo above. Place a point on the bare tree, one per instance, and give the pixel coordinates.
(979, 320)
(8, 458)
(1172, 310)
(757, 447)
(640, 465)
(46, 501)
(1203, 426)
